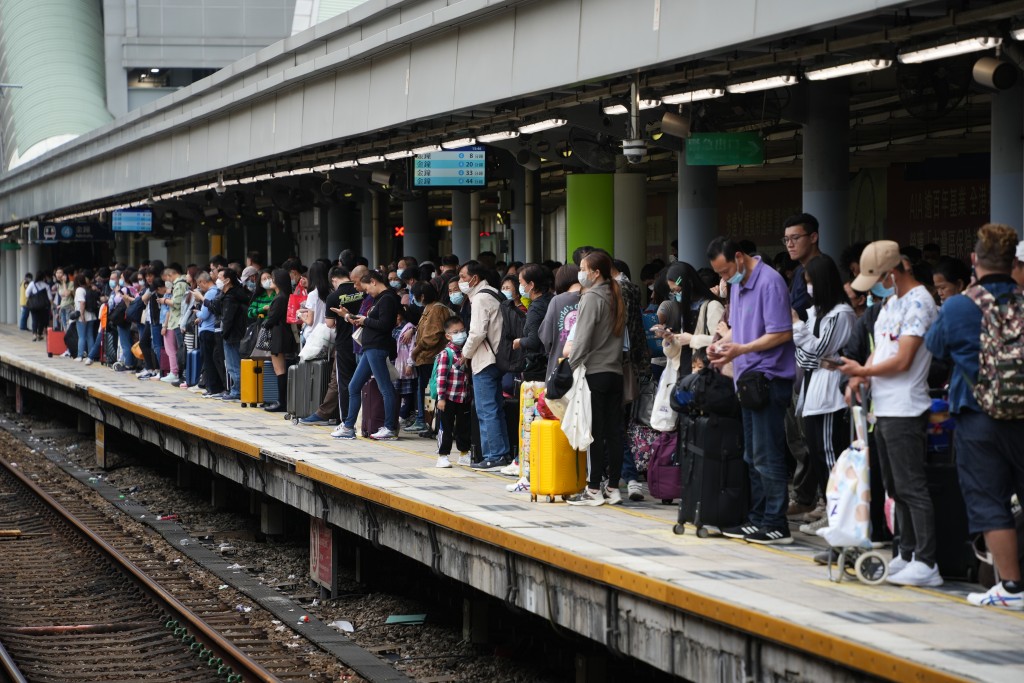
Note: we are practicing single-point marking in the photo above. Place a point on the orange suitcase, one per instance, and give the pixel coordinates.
(555, 468)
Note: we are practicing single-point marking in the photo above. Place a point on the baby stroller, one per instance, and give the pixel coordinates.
(848, 501)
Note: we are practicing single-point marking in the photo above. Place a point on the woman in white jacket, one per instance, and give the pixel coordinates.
(830, 321)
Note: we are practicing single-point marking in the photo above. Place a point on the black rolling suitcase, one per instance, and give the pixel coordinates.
(715, 482)
(954, 552)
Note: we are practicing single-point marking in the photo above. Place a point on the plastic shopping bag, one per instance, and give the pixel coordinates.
(848, 496)
(318, 343)
(578, 418)
(663, 418)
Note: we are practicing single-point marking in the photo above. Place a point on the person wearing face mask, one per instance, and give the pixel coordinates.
(230, 306)
(760, 347)
(561, 315)
(174, 298)
(830, 321)
(897, 373)
(395, 283)
(250, 279)
(452, 385)
(597, 346)
(282, 340)
(485, 328)
(430, 340)
(510, 290)
(535, 282)
(458, 301)
(262, 296)
(123, 293)
(296, 277)
(210, 337)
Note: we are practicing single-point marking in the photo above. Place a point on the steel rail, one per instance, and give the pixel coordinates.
(232, 657)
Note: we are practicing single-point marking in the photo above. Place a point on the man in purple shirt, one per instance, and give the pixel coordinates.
(761, 350)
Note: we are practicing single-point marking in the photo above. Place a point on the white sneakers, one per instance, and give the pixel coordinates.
(170, 379)
(465, 460)
(898, 564)
(442, 462)
(511, 469)
(811, 528)
(587, 497)
(916, 574)
(383, 434)
(635, 490)
(997, 596)
(521, 486)
(612, 496)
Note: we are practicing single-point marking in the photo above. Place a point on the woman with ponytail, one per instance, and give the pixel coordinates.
(597, 345)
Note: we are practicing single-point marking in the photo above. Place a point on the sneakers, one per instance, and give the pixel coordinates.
(442, 462)
(312, 419)
(612, 496)
(811, 528)
(898, 564)
(815, 514)
(465, 460)
(766, 536)
(416, 427)
(587, 497)
(997, 596)
(490, 464)
(171, 379)
(798, 509)
(228, 397)
(521, 486)
(78, 359)
(383, 434)
(406, 423)
(194, 390)
(343, 432)
(741, 531)
(511, 469)
(916, 574)
(635, 491)
(88, 361)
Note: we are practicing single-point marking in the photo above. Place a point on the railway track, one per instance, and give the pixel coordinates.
(83, 600)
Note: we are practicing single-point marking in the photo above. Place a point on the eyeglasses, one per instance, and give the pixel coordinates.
(786, 241)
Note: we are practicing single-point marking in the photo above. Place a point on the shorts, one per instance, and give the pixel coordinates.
(990, 464)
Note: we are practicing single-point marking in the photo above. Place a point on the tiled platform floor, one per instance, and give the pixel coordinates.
(935, 628)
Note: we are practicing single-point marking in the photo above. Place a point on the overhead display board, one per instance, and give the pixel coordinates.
(132, 220)
(464, 167)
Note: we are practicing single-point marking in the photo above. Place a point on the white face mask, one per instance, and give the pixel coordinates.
(267, 284)
(464, 287)
(583, 279)
(810, 290)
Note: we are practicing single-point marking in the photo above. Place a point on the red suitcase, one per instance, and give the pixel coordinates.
(55, 343)
(372, 403)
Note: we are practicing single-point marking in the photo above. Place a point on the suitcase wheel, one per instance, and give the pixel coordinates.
(679, 529)
(295, 421)
(702, 532)
(533, 497)
(666, 501)
(49, 355)
(551, 499)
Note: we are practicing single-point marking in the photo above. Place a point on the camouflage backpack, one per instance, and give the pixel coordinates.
(1000, 387)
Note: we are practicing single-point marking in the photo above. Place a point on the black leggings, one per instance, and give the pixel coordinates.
(828, 436)
(40, 319)
(607, 427)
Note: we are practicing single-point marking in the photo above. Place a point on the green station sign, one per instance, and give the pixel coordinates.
(724, 149)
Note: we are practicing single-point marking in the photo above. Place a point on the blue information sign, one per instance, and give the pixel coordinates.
(465, 167)
(132, 220)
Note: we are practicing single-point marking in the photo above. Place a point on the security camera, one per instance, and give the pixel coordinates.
(219, 188)
(634, 150)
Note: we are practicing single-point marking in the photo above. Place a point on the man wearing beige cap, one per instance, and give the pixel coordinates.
(897, 373)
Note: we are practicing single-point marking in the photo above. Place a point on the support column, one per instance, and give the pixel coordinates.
(335, 230)
(517, 215)
(474, 227)
(631, 220)
(461, 225)
(826, 169)
(590, 211)
(417, 228)
(383, 234)
(368, 228)
(201, 247)
(219, 493)
(272, 518)
(1007, 158)
(9, 276)
(101, 445)
(698, 211)
(531, 212)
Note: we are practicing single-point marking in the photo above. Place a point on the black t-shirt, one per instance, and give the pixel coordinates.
(348, 297)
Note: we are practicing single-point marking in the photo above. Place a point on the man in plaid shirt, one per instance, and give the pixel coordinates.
(453, 395)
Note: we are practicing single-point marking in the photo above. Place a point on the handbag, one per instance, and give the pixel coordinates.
(643, 406)
(357, 335)
(753, 390)
(578, 419)
(134, 312)
(560, 381)
(663, 418)
(630, 384)
(137, 350)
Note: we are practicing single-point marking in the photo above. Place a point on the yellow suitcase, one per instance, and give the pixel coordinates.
(555, 468)
(251, 383)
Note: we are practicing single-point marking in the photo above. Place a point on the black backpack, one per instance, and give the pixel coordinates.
(92, 301)
(513, 326)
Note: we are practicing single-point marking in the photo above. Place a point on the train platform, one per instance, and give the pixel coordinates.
(704, 609)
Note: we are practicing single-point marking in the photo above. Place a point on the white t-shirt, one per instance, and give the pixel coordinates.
(905, 394)
(80, 302)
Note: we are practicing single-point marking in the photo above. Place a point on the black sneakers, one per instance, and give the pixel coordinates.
(766, 536)
(741, 531)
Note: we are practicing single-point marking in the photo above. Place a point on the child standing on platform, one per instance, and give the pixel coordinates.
(453, 395)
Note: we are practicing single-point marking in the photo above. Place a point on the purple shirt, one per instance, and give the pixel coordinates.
(760, 307)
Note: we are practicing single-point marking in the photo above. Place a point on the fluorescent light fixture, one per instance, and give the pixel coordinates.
(616, 109)
(262, 177)
(348, 163)
(456, 144)
(1017, 33)
(404, 154)
(693, 96)
(373, 159)
(841, 70)
(154, 71)
(323, 168)
(960, 47)
(495, 137)
(762, 84)
(542, 125)
(300, 171)
(426, 149)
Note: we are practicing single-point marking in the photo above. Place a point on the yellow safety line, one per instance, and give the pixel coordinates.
(186, 426)
(853, 655)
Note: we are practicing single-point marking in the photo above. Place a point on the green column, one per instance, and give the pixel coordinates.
(590, 211)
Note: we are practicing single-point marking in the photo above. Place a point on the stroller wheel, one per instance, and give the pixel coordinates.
(871, 568)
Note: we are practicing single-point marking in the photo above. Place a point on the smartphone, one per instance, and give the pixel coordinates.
(832, 363)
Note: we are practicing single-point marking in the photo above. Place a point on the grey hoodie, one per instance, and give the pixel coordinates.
(595, 344)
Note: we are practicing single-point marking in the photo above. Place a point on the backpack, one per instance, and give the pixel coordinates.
(1000, 386)
(38, 300)
(92, 301)
(513, 326)
(432, 384)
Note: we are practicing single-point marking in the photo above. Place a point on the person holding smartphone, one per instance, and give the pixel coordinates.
(830, 322)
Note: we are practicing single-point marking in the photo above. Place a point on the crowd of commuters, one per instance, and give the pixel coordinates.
(802, 335)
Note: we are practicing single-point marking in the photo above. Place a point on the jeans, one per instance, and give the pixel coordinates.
(374, 362)
(902, 446)
(764, 451)
(88, 339)
(124, 347)
(233, 366)
(23, 321)
(607, 427)
(490, 409)
(156, 343)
